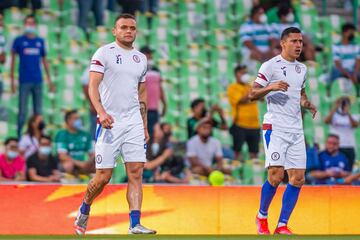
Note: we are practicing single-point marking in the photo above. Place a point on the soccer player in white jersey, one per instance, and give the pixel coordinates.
(117, 91)
(282, 81)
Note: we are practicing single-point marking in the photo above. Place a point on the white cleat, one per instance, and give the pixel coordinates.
(140, 229)
(81, 223)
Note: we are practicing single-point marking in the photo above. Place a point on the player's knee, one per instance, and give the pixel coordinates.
(135, 174)
(103, 179)
(297, 181)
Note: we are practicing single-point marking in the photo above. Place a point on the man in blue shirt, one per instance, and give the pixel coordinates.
(333, 165)
(31, 51)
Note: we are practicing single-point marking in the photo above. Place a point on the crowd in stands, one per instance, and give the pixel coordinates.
(35, 156)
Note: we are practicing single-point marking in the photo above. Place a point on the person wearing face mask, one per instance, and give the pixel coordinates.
(158, 151)
(155, 91)
(202, 149)
(245, 113)
(12, 165)
(286, 17)
(344, 124)
(346, 57)
(29, 142)
(42, 165)
(31, 51)
(74, 146)
(256, 38)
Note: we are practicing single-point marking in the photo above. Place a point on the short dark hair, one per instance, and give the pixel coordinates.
(254, 10)
(45, 137)
(239, 68)
(10, 139)
(289, 30)
(30, 16)
(69, 113)
(146, 50)
(347, 26)
(334, 136)
(196, 102)
(283, 10)
(124, 15)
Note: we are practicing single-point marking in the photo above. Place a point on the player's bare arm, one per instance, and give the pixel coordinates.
(143, 107)
(105, 119)
(305, 103)
(257, 91)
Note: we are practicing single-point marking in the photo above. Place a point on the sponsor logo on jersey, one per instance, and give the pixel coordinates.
(284, 71)
(136, 58)
(297, 68)
(262, 76)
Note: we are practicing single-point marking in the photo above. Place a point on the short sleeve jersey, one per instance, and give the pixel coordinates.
(283, 108)
(123, 71)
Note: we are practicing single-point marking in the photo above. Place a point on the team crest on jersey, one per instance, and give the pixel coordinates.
(297, 68)
(98, 159)
(275, 156)
(136, 58)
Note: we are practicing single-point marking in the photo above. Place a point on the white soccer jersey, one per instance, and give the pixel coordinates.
(123, 70)
(283, 108)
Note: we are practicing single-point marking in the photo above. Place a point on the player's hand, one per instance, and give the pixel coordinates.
(311, 107)
(147, 136)
(279, 86)
(106, 120)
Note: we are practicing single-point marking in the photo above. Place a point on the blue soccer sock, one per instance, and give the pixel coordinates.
(289, 200)
(85, 208)
(267, 194)
(134, 218)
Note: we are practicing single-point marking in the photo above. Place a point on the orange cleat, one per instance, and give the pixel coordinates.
(284, 230)
(262, 226)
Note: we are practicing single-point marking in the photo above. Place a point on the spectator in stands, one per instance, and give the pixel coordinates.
(202, 149)
(31, 50)
(29, 142)
(74, 146)
(255, 35)
(2, 52)
(343, 123)
(130, 6)
(85, 6)
(42, 165)
(92, 111)
(158, 151)
(333, 165)
(346, 57)
(199, 111)
(154, 89)
(167, 130)
(35, 4)
(287, 19)
(245, 113)
(12, 165)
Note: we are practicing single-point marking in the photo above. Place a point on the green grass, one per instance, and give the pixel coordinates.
(182, 237)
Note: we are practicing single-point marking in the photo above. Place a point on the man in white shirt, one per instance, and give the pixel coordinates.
(117, 92)
(282, 81)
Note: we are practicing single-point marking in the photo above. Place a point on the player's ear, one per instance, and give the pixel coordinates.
(113, 31)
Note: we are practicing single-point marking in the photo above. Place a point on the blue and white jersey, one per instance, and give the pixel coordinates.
(259, 34)
(346, 54)
(283, 108)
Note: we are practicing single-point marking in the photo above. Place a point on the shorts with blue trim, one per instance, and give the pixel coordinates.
(284, 149)
(123, 140)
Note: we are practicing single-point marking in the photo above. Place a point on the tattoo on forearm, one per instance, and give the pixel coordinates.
(143, 109)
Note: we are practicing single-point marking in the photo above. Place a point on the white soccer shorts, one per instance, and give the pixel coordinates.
(126, 140)
(284, 149)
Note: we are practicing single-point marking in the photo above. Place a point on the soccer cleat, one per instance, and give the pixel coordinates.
(81, 223)
(284, 230)
(140, 229)
(262, 226)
